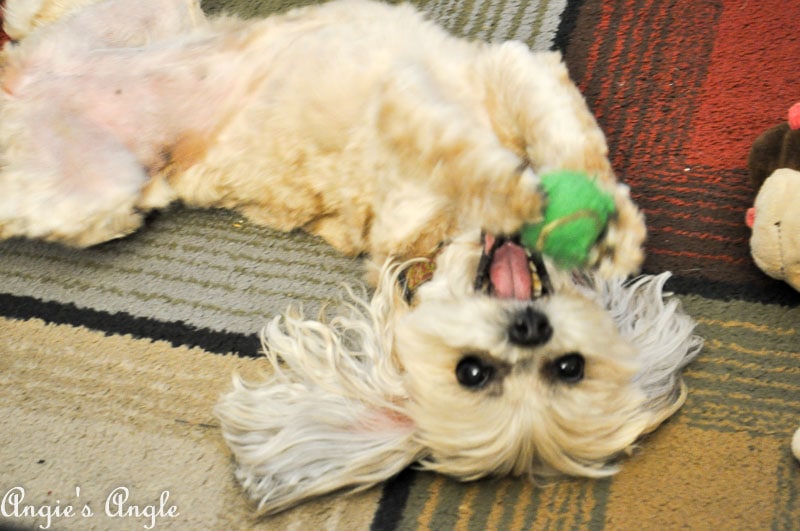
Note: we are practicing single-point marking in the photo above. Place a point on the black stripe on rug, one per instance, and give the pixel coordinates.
(177, 333)
(393, 501)
(569, 19)
(770, 292)
(181, 334)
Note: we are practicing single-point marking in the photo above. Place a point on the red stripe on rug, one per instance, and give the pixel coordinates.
(752, 80)
(699, 235)
(653, 213)
(694, 256)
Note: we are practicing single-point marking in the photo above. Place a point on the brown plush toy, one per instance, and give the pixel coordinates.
(774, 164)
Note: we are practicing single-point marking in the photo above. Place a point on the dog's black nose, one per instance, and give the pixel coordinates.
(529, 328)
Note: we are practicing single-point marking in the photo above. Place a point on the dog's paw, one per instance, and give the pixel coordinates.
(512, 203)
(589, 222)
(69, 182)
(54, 213)
(526, 202)
(620, 252)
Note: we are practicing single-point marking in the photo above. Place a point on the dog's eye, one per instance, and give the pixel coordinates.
(569, 368)
(473, 372)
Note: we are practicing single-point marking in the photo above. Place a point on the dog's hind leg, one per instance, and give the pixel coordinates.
(63, 179)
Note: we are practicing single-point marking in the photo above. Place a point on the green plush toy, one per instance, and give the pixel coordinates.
(575, 216)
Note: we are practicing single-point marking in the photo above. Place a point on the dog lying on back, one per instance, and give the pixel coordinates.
(371, 127)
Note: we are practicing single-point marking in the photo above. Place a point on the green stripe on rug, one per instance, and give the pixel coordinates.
(748, 375)
(534, 23)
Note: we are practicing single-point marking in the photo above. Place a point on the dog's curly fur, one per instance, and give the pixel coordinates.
(371, 127)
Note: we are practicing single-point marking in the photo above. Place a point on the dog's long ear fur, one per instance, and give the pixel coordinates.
(331, 416)
(661, 332)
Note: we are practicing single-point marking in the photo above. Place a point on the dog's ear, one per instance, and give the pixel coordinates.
(662, 333)
(293, 441)
(333, 413)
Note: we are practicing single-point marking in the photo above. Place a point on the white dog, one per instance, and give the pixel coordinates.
(371, 127)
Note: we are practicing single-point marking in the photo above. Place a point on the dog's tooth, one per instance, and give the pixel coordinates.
(536, 281)
(536, 284)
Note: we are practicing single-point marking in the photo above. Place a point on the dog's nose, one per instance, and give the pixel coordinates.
(529, 328)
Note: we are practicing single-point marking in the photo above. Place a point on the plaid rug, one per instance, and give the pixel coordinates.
(112, 358)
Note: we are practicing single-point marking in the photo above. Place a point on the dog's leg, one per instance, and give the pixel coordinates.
(454, 173)
(537, 111)
(64, 179)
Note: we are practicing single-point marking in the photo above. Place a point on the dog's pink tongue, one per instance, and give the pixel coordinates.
(509, 273)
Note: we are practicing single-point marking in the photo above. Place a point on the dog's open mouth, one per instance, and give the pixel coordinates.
(509, 271)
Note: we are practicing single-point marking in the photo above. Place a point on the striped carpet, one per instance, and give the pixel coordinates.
(112, 358)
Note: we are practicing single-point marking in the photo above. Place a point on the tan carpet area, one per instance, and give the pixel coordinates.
(85, 415)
